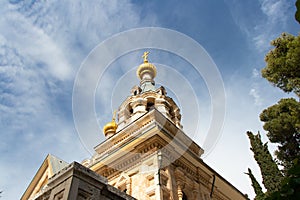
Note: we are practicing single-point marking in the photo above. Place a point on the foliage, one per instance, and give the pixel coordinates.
(297, 14)
(256, 186)
(269, 170)
(282, 121)
(283, 63)
(290, 187)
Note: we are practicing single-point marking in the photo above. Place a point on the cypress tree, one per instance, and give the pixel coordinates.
(269, 170)
(256, 186)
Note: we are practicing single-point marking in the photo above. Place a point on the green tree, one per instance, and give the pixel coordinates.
(290, 186)
(297, 14)
(256, 186)
(282, 121)
(269, 170)
(283, 63)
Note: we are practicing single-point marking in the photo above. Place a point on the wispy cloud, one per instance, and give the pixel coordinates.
(255, 73)
(276, 15)
(42, 44)
(254, 91)
(268, 21)
(275, 10)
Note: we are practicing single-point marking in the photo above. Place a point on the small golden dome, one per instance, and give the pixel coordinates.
(110, 128)
(146, 67)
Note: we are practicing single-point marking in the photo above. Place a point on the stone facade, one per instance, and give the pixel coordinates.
(146, 155)
(78, 182)
(150, 157)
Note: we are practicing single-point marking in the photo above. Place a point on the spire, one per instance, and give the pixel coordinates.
(146, 73)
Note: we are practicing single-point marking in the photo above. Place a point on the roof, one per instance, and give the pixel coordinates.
(50, 166)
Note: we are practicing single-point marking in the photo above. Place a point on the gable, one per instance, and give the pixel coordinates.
(49, 167)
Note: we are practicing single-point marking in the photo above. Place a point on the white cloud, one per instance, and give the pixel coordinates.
(257, 99)
(31, 42)
(41, 46)
(255, 89)
(265, 24)
(255, 73)
(276, 12)
(275, 9)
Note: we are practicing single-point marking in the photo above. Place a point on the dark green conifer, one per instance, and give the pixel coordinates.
(269, 170)
(256, 186)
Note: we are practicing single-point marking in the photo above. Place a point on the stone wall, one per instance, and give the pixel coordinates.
(78, 182)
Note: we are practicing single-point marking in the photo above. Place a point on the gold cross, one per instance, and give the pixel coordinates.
(145, 56)
(114, 115)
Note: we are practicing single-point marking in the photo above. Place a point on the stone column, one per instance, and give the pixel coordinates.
(196, 190)
(139, 108)
(179, 190)
(158, 191)
(162, 106)
(179, 176)
(177, 117)
(121, 118)
(128, 186)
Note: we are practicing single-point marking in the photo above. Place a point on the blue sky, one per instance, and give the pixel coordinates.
(43, 44)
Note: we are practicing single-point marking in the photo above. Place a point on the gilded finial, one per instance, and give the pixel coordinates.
(145, 56)
(110, 128)
(114, 115)
(146, 68)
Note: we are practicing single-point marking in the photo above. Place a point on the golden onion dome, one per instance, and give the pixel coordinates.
(146, 67)
(110, 128)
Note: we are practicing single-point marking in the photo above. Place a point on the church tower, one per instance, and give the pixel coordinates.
(147, 154)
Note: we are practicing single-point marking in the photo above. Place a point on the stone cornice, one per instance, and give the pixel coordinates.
(138, 129)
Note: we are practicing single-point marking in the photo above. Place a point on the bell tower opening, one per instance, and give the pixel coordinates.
(184, 197)
(150, 104)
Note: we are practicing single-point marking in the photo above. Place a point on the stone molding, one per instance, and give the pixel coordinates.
(78, 182)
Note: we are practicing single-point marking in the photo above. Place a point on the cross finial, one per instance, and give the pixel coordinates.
(114, 115)
(145, 56)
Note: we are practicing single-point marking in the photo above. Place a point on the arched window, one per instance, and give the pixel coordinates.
(128, 111)
(150, 104)
(135, 90)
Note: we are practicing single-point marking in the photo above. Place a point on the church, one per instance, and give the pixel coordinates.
(146, 156)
